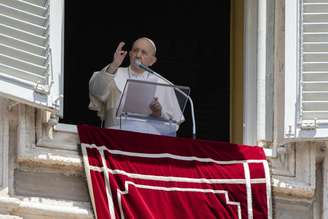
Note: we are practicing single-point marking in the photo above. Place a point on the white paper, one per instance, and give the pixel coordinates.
(138, 97)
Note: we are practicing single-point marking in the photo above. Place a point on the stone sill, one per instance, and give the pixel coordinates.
(9, 217)
(58, 151)
(52, 159)
(293, 191)
(36, 207)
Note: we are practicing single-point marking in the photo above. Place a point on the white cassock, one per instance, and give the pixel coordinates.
(105, 91)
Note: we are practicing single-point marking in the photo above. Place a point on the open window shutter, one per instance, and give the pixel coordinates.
(306, 71)
(314, 68)
(27, 68)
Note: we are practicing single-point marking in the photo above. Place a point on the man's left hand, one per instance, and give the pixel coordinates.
(155, 107)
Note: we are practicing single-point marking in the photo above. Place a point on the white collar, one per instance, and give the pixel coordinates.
(133, 75)
(124, 74)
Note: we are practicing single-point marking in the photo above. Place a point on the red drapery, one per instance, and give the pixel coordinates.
(135, 175)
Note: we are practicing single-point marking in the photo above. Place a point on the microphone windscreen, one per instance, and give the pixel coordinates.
(137, 62)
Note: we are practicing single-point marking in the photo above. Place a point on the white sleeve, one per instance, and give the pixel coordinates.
(101, 85)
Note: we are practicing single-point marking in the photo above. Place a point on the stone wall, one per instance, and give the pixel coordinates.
(41, 172)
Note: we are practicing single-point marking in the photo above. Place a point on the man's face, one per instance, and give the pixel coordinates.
(144, 51)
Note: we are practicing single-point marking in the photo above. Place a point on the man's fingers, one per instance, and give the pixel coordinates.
(156, 106)
(121, 53)
(120, 46)
(154, 101)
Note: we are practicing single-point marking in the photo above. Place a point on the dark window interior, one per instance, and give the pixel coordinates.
(192, 49)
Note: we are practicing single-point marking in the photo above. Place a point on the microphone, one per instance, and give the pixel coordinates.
(142, 66)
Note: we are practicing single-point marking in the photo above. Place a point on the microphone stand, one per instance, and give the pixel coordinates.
(139, 64)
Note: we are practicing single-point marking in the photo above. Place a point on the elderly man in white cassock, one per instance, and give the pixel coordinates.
(106, 86)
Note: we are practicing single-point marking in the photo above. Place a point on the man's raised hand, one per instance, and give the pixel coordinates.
(119, 56)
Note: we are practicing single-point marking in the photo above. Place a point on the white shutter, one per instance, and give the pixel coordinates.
(306, 107)
(27, 68)
(314, 67)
